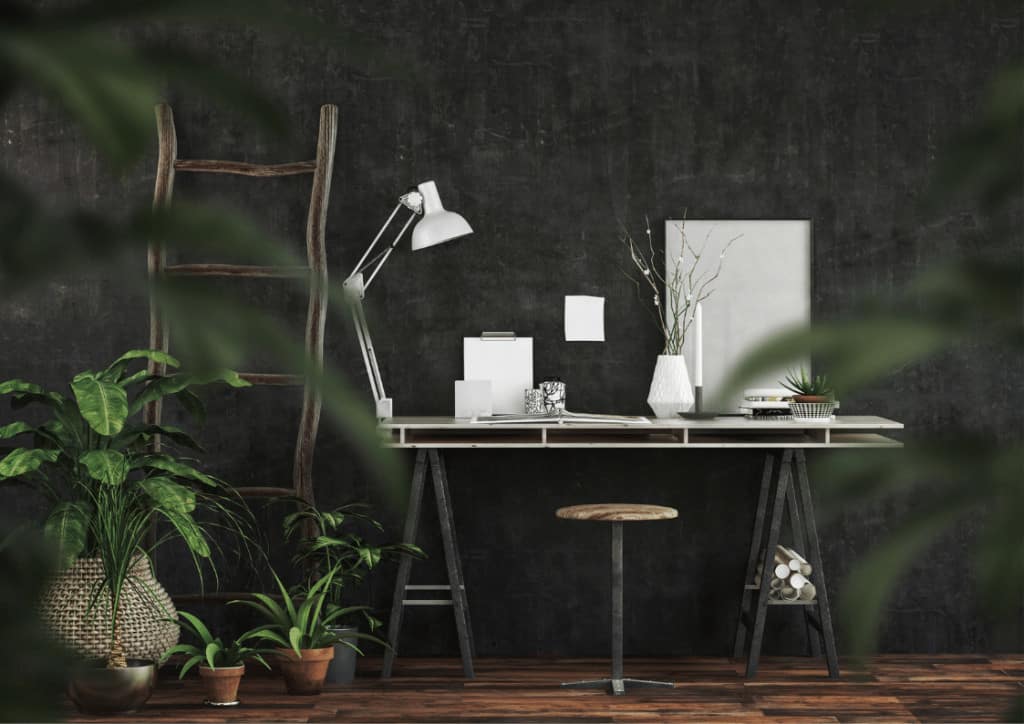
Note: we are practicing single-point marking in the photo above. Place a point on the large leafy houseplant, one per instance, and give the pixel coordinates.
(94, 460)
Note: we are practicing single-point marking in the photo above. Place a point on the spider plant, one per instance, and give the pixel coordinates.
(211, 651)
(94, 460)
(301, 621)
(327, 542)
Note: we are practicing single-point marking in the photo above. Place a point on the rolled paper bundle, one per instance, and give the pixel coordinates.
(757, 579)
(760, 567)
(789, 593)
(782, 571)
(808, 592)
(795, 561)
(798, 581)
(776, 584)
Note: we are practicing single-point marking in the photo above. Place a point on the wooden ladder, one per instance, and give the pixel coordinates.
(321, 167)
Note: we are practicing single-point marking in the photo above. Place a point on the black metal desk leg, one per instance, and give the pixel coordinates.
(412, 519)
(441, 478)
(451, 559)
(824, 612)
(755, 549)
(777, 509)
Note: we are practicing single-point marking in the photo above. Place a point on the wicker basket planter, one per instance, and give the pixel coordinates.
(812, 411)
(64, 609)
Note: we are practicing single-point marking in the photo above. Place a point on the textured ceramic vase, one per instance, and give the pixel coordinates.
(670, 391)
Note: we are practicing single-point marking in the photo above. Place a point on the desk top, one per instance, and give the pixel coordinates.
(735, 432)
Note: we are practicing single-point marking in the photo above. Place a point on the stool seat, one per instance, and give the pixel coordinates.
(617, 512)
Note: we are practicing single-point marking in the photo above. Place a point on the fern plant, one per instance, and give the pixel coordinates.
(211, 651)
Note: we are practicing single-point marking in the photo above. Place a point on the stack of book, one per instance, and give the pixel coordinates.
(767, 402)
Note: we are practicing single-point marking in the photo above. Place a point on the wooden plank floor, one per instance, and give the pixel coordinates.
(892, 689)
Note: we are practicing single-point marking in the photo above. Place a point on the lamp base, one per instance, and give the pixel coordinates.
(384, 408)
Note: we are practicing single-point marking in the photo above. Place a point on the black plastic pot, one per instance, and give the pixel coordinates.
(343, 668)
(99, 690)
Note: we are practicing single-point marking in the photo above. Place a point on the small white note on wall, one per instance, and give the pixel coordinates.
(584, 319)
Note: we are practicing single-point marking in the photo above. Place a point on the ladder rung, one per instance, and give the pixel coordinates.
(272, 378)
(245, 169)
(251, 491)
(237, 270)
(430, 587)
(427, 602)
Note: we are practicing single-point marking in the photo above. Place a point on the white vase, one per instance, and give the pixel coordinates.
(670, 387)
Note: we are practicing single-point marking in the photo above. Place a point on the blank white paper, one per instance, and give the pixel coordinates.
(507, 363)
(584, 319)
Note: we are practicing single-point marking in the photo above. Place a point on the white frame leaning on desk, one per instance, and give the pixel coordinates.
(785, 488)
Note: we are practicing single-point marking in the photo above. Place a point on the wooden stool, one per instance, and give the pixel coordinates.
(617, 514)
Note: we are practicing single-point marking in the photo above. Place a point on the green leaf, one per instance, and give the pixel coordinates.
(102, 403)
(198, 627)
(152, 355)
(132, 435)
(197, 659)
(189, 531)
(370, 555)
(169, 496)
(179, 649)
(67, 527)
(25, 460)
(106, 466)
(170, 465)
(173, 384)
(193, 405)
(295, 638)
(11, 387)
(15, 428)
(211, 652)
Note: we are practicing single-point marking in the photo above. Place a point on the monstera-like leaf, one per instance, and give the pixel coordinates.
(103, 404)
(23, 460)
(107, 466)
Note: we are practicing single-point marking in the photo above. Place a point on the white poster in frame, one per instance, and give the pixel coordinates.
(764, 287)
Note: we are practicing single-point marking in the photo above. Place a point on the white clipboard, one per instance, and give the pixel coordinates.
(504, 359)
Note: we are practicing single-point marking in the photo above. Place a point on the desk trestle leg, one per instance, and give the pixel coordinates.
(788, 489)
(456, 583)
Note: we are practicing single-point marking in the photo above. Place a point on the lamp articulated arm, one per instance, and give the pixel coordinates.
(356, 285)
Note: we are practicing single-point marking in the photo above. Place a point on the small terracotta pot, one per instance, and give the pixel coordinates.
(305, 676)
(221, 683)
(810, 398)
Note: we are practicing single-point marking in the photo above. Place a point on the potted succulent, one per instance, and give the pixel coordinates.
(221, 666)
(327, 541)
(299, 627)
(806, 388)
(92, 458)
(813, 398)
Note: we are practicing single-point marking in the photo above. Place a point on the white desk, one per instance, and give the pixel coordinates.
(784, 486)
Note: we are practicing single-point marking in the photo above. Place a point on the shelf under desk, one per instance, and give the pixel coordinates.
(849, 431)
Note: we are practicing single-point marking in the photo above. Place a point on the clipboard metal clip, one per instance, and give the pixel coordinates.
(498, 336)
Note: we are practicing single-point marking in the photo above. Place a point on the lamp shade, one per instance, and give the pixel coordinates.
(437, 225)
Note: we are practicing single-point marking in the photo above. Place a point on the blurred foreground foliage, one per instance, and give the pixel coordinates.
(975, 304)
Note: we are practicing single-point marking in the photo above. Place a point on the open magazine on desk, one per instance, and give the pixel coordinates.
(561, 417)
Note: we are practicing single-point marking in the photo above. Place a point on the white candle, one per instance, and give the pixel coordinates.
(698, 347)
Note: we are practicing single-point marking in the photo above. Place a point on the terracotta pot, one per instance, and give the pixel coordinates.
(99, 690)
(221, 684)
(304, 676)
(810, 398)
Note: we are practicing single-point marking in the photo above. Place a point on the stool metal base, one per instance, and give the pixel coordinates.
(617, 687)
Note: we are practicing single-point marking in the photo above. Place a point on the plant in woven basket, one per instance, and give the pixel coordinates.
(806, 388)
(94, 460)
(328, 541)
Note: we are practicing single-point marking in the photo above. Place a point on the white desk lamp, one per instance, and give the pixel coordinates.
(436, 227)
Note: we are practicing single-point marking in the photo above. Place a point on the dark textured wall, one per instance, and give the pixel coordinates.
(546, 124)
